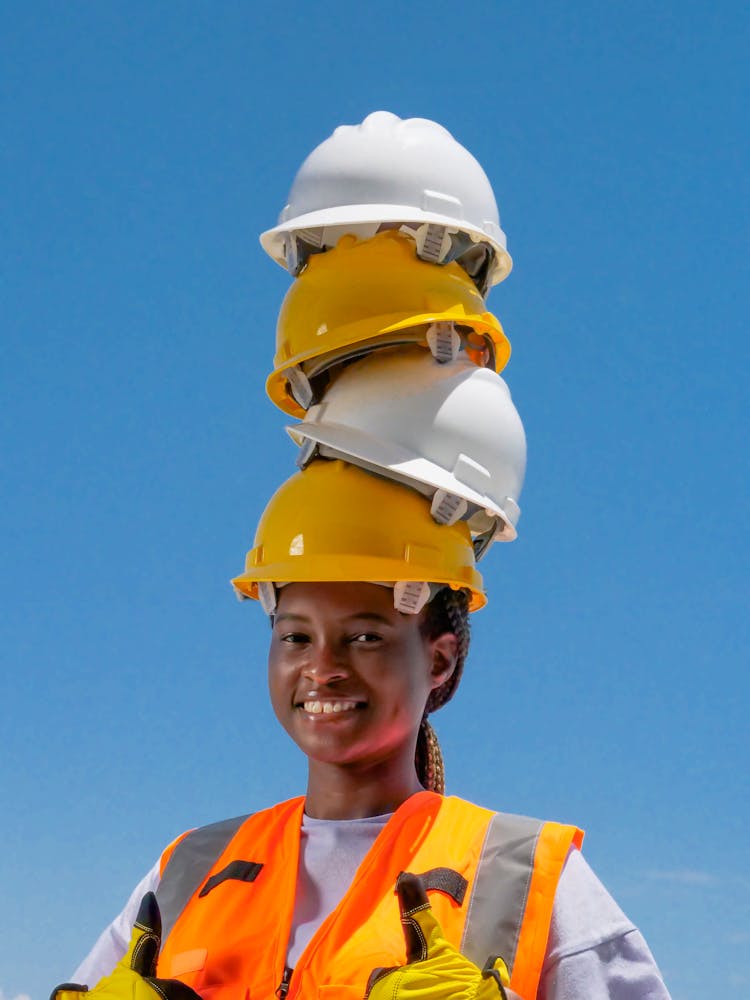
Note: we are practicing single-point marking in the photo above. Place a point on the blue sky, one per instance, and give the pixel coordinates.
(145, 145)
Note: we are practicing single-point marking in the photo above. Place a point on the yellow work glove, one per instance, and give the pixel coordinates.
(133, 976)
(435, 970)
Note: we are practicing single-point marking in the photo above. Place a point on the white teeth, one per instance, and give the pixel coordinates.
(326, 707)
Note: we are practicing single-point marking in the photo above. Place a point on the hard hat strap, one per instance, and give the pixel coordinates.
(444, 341)
(299, 387)
(409, 596)
(267, 596)
(434, 244)
(440, 245)
(447, 508)
(307, 452)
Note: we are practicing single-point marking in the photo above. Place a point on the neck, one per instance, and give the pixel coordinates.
(335, 791)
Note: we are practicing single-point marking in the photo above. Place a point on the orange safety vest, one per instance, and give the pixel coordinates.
(227, 899)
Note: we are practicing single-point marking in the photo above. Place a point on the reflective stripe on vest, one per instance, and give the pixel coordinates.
(190, 859)
(231, 942)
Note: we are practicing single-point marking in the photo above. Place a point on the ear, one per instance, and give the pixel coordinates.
(444, 658)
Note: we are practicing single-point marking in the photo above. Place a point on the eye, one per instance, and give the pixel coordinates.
(365, 638)
(294, 638)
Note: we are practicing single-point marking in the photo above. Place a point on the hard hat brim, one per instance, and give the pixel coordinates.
(272, 240)
(384, 457)
(353, 336)
(344, 569)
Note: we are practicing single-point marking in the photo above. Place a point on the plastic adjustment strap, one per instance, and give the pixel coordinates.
(291, 255)
(314, 238)
(447, 508)
(307, 452)
(299, 386)
(298, 246)
(434, 243)
(267, 596)
(410, 596)
(444, 341)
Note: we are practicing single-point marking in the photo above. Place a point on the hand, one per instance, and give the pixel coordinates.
(133, 976)
(435, 970)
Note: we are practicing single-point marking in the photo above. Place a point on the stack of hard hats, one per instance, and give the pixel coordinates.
(411, 452)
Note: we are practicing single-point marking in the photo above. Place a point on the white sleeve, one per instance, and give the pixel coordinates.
(114, 940)
(594, 952)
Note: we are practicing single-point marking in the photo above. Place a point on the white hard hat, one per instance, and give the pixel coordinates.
(389, 171)
(451, 431)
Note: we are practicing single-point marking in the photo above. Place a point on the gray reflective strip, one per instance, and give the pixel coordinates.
(188, 867)
(501, 887)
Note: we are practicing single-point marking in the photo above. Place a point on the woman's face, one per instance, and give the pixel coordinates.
(349, 675)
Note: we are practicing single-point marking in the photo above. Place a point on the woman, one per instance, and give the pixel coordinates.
(299, 900)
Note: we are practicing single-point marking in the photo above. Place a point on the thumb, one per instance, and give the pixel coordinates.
(422, 932)
(145, 940)
(144, 952)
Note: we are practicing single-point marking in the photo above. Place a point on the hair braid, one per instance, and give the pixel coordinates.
(429, 759)
(448, 611)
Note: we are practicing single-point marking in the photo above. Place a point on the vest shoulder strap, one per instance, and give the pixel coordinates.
(187, 866)
(510, 907)
(500, 891)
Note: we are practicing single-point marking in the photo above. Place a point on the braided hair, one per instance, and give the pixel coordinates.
(448, 611)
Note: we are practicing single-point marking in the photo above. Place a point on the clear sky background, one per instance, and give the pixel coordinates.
(144, 146)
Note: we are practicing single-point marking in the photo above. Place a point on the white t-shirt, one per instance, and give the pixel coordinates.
(593, 953)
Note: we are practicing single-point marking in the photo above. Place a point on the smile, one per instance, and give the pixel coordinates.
(328, 707)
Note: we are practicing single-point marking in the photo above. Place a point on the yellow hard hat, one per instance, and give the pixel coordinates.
(334, 522)
(367, 294)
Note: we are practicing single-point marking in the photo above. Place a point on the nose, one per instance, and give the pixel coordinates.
(326, 663)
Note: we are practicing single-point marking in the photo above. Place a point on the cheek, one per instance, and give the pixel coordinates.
(278, 686)
(412, 683)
